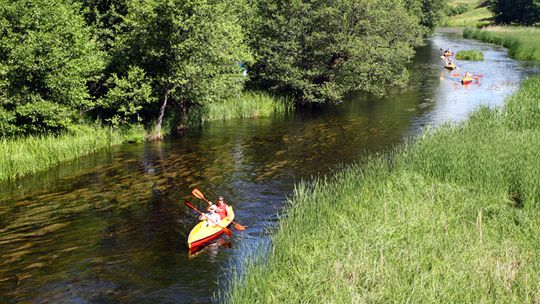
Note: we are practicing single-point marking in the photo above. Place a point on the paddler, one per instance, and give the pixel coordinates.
(222, 207)
(212, 217)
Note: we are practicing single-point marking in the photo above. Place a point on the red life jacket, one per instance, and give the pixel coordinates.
(222, 211)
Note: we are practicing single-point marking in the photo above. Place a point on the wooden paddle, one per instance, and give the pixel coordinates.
(199, 194)
(225, 229)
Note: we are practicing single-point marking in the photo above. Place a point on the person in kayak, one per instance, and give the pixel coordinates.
(222, 207)
(212, 217)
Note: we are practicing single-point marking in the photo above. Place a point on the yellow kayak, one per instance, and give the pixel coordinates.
(201, 234)
(450, 66)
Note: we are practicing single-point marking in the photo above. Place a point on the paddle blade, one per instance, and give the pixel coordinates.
(198, 194)
(456, 75)
(227, 231)
(239, 227)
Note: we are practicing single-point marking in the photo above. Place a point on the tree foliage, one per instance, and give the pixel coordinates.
(46, 58)
(189, 49)
(525, 12)
(320, 50)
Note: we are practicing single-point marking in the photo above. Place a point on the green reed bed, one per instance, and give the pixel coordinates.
(28, 155)
(247, 105)
(450, 218)
(523, 43)
(472, 55)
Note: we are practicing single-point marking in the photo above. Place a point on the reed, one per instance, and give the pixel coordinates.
(31, 154)
(451, 217)
(523, 43)
(248, 104)
(472, 55)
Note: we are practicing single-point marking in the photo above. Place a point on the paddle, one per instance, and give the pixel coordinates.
(199, 194)
(225, 229)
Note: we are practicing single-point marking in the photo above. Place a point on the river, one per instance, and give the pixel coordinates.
(112, 227)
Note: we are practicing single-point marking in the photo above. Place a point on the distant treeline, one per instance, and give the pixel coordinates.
(142, 61)
(524, 12)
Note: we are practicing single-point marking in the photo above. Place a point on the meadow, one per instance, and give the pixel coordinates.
(523, 43)
(450, 217)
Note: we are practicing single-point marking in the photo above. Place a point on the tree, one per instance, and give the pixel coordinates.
(189, 49)
(429, 12)
(320, 50)
(47, 57)
(525, 12)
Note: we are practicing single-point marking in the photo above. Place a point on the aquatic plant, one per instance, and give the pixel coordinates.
(470, 55)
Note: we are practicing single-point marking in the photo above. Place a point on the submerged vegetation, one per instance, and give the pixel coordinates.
(470, 55)
(451, 217)
(523, 43)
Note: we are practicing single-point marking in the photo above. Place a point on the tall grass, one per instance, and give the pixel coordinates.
(470, 55)
(450, 218)
(247, 105)
(523, 43)
(31, 154)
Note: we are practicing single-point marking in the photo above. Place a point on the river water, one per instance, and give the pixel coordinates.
(112, 228)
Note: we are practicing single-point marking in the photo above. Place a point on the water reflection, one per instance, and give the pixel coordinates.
(111, 227)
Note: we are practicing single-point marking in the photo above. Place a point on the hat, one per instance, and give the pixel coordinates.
(220, 198)
(212, 208)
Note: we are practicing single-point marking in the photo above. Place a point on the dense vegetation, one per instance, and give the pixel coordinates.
(452, 217)
(526, 12)
(470, 55)
(523, 43)
(126, 62)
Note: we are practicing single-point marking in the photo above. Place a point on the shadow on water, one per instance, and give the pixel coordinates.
(111, 227)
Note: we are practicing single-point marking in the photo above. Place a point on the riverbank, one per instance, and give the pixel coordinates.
(452, 217)
(467, 13)
(28, 155)
(523, 43)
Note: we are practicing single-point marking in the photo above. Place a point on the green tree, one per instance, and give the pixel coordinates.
(320, 50)
(189, 49)
(430, 12)
(127, 96)
(47, 57)
(525, 12)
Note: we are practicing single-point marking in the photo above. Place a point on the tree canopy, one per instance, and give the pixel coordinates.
(320, 50)
(131, 61)
(525, 12)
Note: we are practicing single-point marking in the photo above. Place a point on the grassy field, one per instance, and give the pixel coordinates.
(476, 14)
(470, 55)
(523, 43)
(453, 217)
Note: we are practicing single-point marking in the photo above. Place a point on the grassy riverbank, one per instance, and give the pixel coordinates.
(452, 217)
(32, 154)
(523, 43)
(248, 104)
(29, 155)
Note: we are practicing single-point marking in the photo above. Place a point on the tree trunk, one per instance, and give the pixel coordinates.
(157, 131)
(183, 123)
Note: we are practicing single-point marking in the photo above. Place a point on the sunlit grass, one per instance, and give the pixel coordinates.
(470, 55)
(477, 16)
(452, 217)
(523, 43)
(246, 105)
(31, 154)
